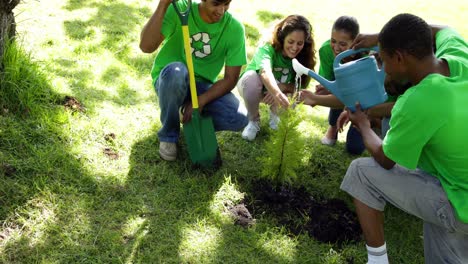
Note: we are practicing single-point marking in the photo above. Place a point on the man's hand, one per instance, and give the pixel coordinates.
(359, 118)
(187, 111)
(365, 41)
(371, 140)
(342, 121)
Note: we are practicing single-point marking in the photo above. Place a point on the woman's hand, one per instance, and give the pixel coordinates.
(308, 97)
(279, 98)
(321, 90)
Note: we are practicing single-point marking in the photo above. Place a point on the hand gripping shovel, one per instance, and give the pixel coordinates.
(199, 131)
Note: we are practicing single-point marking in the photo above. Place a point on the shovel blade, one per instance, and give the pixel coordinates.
(201, 140)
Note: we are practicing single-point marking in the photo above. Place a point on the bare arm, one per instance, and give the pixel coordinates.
(312, 99)
(151, 36)
(268, 79)
(222, 86)
(435, 29)
(381, 110)
(371, 140)
(371, 40)
(365, 41)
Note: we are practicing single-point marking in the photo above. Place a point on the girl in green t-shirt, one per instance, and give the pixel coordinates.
(344, 31)
(270, 75)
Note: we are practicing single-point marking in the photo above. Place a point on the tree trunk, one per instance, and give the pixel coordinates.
(7, 22)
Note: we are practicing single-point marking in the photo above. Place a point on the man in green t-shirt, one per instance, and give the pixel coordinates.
(217, 40)
(421, 165)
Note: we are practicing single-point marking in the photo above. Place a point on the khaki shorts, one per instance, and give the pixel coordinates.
(417, 193)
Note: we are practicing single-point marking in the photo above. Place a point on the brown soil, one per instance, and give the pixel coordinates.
(242, 215)
(7, 169)
(328, 221)
(71, 103)
(109, 137)
(111, 154)
(213, 167)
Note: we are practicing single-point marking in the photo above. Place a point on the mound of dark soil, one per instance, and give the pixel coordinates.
(328, 221)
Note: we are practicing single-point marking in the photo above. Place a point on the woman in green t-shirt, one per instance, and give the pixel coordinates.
(270, 75)
(344, 31)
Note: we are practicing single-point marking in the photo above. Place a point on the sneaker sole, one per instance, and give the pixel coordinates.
(328, 142)
(248, 139)
(166, 157)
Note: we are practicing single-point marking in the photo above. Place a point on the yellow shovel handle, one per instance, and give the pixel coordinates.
(188, 55)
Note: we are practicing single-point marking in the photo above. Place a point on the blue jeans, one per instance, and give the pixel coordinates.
(354, 143)
(172, 88)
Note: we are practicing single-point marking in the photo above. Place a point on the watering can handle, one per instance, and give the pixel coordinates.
(184, 16)
(346, 53)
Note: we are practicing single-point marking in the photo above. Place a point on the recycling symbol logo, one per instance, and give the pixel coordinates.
(284, 74)
(200, 45)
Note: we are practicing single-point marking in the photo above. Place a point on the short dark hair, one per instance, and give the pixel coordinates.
(408, 33)
(348, 24)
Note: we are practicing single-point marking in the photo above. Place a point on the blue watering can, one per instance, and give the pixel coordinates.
(355, 81)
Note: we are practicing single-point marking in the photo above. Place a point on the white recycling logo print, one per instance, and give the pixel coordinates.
(284, 72)
(204, 46)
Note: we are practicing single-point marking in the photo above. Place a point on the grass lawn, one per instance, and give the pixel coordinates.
(86, 184)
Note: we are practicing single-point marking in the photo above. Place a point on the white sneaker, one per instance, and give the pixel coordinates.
(168, 151)
(328, 141)
(274, 120)
(251, 130)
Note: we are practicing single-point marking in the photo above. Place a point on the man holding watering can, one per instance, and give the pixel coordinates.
(421, 165)
(216, 40)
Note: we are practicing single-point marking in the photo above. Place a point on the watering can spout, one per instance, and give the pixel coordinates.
(301, 70)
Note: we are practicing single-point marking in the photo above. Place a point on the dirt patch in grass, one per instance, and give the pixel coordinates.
(328, 221)
(71, 103)
(111, 154)
(109, 137)
(7, 169)
(242, 215)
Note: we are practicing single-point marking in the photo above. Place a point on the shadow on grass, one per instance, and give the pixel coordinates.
(110, 33)
(177, 203)
(56, 210)
(118, 23)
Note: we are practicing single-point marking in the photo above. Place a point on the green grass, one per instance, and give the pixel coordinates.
(62, 200)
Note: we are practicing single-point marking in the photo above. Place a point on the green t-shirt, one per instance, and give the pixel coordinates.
(326, 61)
(267, 58)
(213, 45)
(428, 128)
